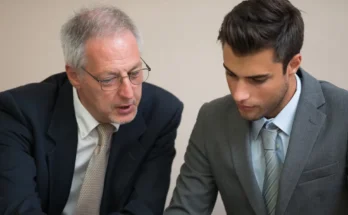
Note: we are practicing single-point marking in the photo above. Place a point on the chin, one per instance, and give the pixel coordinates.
(123, 119)
(250, 117)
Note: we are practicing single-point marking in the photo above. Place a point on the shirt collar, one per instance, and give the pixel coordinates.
(285, 118)
(85, 121)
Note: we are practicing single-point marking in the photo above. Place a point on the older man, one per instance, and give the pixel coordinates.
(95, 139)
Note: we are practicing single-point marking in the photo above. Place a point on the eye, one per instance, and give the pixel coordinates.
(109, 81)
(258, 80)
(134, 74)
(231, 74)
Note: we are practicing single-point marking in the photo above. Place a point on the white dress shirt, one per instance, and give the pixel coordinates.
(87, 141)
(283, 121)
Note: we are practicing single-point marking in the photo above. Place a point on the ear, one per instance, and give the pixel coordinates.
(294, 64)
(73, 76)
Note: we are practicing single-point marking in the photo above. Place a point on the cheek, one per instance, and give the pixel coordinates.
(137, 92)
(264, 93)
(90, 95)
(270, 94)
(105, 100)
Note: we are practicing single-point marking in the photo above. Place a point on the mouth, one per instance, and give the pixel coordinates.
(245, 107)
(125, 109)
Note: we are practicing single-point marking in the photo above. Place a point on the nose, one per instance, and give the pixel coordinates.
(125, 89)
(240, 92)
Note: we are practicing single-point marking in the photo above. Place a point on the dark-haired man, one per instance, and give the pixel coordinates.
(278, 144)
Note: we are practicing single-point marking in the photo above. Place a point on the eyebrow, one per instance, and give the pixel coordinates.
(108, 72)
(252, 76)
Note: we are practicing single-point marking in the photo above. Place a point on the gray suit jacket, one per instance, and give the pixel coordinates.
(314, 175)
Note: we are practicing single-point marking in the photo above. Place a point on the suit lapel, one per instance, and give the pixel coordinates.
(306, 128)
(241, 155)
(61, 159)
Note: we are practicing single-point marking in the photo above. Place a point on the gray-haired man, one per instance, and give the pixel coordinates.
(95, 139)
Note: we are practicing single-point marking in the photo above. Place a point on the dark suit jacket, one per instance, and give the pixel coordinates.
(38, 142)
(314, 176)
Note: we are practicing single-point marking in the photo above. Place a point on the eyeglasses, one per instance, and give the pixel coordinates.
(136, 77)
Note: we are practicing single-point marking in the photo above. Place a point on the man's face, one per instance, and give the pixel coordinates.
(257, 83)
(109, 57)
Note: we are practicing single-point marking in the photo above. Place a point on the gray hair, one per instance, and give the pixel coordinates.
(90, 23)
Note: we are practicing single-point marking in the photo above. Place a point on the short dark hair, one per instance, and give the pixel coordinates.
(255, 25)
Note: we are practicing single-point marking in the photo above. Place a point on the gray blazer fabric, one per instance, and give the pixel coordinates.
(314, 175)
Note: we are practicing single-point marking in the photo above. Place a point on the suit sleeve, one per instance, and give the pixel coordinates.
(17, 167)
(151, 188)
(347, 164)
(195, 192)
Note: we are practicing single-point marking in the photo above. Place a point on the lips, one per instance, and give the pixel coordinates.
(124, 106)
(125, 109)
(245, 107)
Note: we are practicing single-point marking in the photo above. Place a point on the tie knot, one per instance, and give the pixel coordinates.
(105, 131)
(269, 134)
(269, 125)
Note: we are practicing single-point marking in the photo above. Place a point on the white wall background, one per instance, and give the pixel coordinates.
(180, 45)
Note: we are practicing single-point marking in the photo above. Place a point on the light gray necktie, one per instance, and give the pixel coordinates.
(93, 184)
(273, 169)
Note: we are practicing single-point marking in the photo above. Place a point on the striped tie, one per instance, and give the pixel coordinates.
(273, 169)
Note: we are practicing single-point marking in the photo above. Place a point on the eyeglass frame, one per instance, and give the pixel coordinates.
(120, 77)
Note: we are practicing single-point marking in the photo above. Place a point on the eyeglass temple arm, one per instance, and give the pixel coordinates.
(146, 64)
